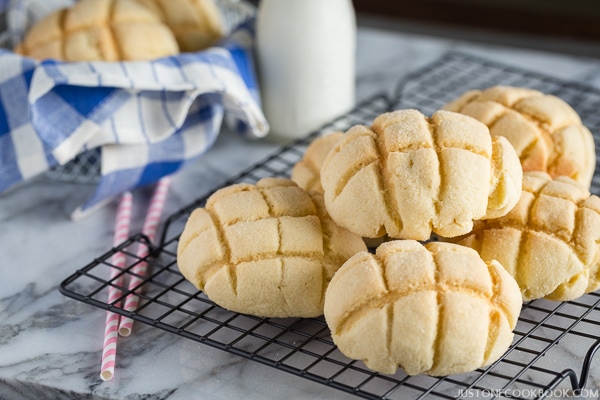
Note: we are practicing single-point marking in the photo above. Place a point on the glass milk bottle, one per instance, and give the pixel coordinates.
(306, 63)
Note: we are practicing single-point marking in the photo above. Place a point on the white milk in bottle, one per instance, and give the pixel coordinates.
(306, 63)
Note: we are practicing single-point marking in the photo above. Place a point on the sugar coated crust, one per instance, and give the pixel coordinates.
(434, 309)
(408, 176)
(100, 30)
(546, 132)
(268, 249)
(549, 242)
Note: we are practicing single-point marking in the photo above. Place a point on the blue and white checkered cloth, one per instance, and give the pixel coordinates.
(148, 119)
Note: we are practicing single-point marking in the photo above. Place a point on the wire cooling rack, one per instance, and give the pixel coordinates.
(533, 367)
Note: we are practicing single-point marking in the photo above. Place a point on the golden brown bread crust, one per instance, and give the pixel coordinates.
(196, 24)
(100, 30)
(307, 172)
(549, 242)
(408, 175)
(546, 132)
(268, 249)
(436, 309)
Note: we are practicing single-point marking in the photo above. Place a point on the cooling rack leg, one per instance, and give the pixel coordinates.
(585, 369)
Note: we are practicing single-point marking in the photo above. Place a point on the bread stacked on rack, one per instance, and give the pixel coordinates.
(408, 304)
(546, 132)
(496, 236)
(268, 249)
(123, 30)
(549, 241)
(408, 175)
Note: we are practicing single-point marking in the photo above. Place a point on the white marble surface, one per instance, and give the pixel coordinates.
(50, 346)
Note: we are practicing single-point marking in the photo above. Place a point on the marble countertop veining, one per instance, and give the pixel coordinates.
(50, 345)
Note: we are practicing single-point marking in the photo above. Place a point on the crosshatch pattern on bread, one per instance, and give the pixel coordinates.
(268, 249)
(100, 30)
(546, 132)
(408, 175)
(550, 241)
(435, 309)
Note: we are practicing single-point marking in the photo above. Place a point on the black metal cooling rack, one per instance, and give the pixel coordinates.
(533, 367)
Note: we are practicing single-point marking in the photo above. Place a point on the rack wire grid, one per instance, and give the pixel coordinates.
(533, 367)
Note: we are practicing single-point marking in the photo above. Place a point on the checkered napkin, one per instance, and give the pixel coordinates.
(149, 119)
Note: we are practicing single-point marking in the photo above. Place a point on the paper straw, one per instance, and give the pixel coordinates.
(149, 229)
(109, 350)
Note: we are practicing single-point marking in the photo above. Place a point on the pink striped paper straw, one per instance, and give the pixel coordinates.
(149, 229)
(109, 350)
